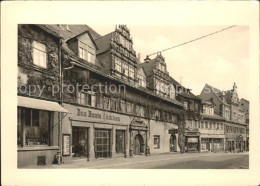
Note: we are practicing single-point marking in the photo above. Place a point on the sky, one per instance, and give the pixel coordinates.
(218, 60)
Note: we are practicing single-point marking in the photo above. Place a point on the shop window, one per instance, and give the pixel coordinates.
(33, 127)
(106, 103)
(156, 142)
(39, 54)
(88, 99)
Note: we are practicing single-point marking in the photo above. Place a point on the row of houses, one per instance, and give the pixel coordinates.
(83, 95)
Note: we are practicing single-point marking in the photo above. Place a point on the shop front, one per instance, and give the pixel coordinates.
(212, 142)
(192, 139)
(37, 131)
(95, 133)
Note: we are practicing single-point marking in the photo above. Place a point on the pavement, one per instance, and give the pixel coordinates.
(161, 161)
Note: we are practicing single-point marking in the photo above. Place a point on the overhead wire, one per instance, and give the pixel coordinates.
(190, 41)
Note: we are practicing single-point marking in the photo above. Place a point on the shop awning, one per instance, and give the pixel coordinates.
(40, 104)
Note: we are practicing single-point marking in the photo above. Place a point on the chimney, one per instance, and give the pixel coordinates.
(147, 59)
(139, 58)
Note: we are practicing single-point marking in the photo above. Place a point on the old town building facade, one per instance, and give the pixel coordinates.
(38, 111)
(108, 108)
(227, 105)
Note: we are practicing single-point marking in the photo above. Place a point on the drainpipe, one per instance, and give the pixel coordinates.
(61, 103)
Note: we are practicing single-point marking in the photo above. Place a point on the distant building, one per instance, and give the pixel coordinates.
(244, 104)
(227, 105)
(192, 107)
(211, 128)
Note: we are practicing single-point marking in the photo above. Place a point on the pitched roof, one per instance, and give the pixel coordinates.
(90, 36)
(184, 92)
(215, 91)
(148, 67)
(103, 43)
(73, 31)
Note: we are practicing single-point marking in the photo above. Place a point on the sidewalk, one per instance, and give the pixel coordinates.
(115, 161)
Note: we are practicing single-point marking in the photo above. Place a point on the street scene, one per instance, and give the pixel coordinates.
(112, 97)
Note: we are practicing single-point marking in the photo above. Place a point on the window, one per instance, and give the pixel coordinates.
(106, 103)
(157, 114)
(86, 52)
(86, 99)
(91, 54)
(33, 127)
(202, 125)
(83, 54)
(125, 69)
(204, 109)
(113, 105)
(131, 72)
(39, 54)
(118, 64)
(156, 142)
(141, 80)
(185, 105)
(129, 107)
(206, 125)
(196, 106)
(140, 111)
(123, 106)
(196, 124)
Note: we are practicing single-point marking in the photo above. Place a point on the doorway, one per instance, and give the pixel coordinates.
(79, 142)
(120, 141)
(138, 144)
(173, 143)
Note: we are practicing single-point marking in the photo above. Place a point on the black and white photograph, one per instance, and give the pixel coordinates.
(117, 97)
(118, 109)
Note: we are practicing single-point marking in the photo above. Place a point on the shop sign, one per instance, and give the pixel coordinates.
(192, 140)
(173, 131)
(212, 136)
(66, 145)
(95, 115)
(192, 133)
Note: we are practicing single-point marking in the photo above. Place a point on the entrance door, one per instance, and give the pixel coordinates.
(120, 141)
(79, 141)
(173, 144)
(102, 143)
(138, 141)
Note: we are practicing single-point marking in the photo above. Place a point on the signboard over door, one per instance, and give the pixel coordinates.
(66, 144)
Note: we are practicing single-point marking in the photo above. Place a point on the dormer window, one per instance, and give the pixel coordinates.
(86, 52)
